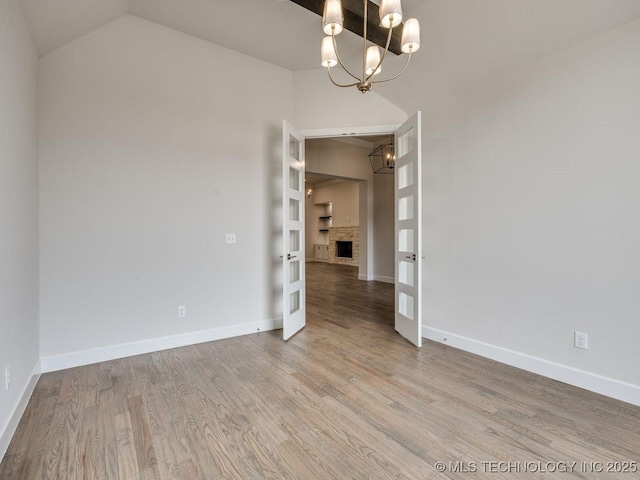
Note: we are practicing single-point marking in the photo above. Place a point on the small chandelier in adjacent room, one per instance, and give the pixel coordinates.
(383, 158)
(372, 57)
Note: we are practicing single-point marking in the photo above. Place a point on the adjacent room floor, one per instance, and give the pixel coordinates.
(345, 398)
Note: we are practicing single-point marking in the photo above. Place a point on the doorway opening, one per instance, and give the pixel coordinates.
(349, 223)
(339, 168)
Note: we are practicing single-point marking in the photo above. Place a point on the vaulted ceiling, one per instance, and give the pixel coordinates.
(463, 41)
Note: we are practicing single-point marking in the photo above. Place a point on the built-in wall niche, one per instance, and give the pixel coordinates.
(324, 222)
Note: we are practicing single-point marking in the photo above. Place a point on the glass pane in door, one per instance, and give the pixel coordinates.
(294, 240)
(294, 301)
(405, 176)
(406, 143)
(294, 210)
(405, 305)
(294, 179)
(294, 271)
(405, 273)
(405, 240)
(405, 208)
(294, 147)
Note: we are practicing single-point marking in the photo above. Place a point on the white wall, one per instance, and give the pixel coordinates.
(318, 104)
(153, 145)
(531, 216)
(18, 217)
(383, 228)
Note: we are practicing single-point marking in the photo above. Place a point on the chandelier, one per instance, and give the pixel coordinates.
(372, 57)
(383, 158)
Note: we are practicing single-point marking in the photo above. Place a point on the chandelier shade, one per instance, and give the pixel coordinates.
(411, 36)
(373, 61)
(332, 18)
(328, 53)
(390, 13)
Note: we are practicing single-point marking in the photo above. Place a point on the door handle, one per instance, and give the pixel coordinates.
(289, 256)
(412, 257)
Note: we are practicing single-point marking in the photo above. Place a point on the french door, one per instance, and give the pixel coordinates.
(293, 254)
(408, 230)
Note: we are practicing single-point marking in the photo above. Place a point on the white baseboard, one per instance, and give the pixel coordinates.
(627, 392)
(366, 278)
(12, 424)
(53, 363)
(382, 278)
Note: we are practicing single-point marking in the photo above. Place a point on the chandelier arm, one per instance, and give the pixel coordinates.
(337, 84)
(386, 49)
(397, 74)
(335, 49)
(364, 41)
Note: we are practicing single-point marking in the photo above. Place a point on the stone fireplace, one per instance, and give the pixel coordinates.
(341, 240)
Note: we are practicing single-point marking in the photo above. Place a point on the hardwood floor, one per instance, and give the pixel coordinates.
(345, 398)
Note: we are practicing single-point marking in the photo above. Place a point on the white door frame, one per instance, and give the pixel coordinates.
(350, 131)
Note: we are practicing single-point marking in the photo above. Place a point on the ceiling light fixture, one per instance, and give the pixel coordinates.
(383, 158)
(372, 58)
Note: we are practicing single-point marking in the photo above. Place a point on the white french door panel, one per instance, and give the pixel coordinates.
(408, 230)
(293, 254)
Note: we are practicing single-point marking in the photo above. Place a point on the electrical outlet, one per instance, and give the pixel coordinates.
(7, 378)
(230, 238)
(581, 340)
(182, 311)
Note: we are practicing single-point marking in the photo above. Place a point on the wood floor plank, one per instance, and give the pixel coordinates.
(145, 453)
(127, 465)
(347, 397)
